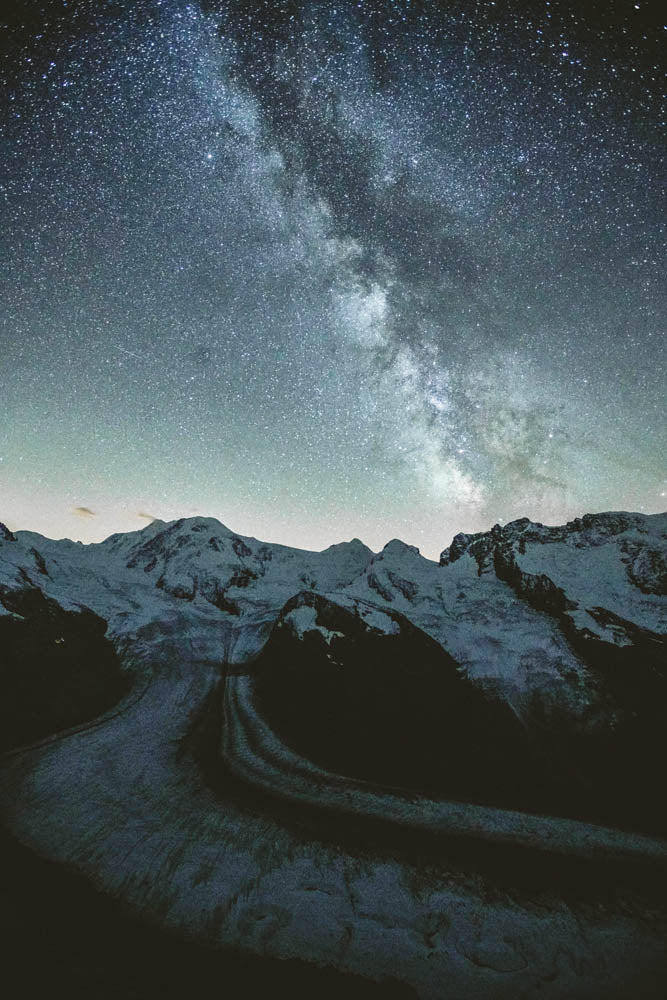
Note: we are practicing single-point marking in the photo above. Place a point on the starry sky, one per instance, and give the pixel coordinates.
(324, 270)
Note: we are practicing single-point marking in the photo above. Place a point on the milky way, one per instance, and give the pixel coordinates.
(324, 270)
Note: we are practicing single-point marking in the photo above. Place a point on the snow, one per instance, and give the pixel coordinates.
(375, 617)
(596, 577)
(304, 619)
(120, 800)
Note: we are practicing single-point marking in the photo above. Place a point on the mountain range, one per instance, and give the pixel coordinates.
(179, 688)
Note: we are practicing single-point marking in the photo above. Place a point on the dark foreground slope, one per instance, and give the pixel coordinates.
(62, 938)
(57, 668)
(391, 706)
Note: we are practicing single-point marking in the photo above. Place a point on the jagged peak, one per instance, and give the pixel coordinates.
(460, 545)
(5, 534)
(590, 529)
(612, 522)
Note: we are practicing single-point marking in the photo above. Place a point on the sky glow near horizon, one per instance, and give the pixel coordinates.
(331, 270)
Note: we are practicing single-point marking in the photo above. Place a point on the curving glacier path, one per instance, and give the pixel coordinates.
(125, 801)
(254, 752)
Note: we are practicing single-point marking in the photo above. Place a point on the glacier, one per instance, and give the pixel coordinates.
(560, 630)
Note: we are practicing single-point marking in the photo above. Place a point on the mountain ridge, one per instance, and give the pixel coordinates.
(528, 611)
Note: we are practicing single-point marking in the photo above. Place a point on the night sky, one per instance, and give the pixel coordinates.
(331, 270)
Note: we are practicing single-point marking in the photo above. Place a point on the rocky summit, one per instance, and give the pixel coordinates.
(283, 751)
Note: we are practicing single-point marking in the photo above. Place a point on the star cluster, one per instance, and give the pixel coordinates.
(324, 270)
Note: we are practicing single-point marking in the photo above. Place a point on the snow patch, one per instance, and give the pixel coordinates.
(303, 619)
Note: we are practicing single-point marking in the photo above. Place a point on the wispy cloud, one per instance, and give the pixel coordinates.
(83, 512)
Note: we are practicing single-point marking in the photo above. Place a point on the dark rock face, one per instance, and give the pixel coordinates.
(57, 668)
(536, 588)
(240, 548)
(646, 567)
(376, 584)
(5, 534)
(391, 708)
(217, 596)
